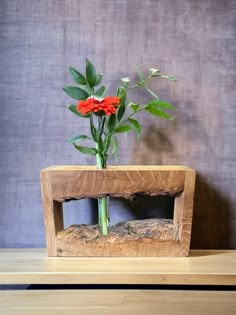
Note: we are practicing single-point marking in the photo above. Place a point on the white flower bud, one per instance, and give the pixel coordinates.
(125, 80)
(154, 71)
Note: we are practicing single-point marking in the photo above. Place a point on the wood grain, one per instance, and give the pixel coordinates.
(183, 212)
(114, 302)
(61, 183)
(150, 237)
(25, 266)
(78, 182)
(53, 213)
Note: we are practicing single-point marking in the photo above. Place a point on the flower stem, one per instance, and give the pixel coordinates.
(102, 213)
(102, 202)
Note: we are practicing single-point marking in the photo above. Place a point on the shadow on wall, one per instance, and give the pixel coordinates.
(211, 218)
(148, 147)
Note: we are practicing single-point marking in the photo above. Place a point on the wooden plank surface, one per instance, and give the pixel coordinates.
(89, 302)
(120, 167)
(86, 182)
(32, 266)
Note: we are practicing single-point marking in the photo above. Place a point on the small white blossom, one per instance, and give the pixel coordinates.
(125, 80)
(154, 71)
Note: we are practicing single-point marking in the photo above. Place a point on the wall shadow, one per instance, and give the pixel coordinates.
(93, 205)
(211, 227)
(143, 207)
(148, 150)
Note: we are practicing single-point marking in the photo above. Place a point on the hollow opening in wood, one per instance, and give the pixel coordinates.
(141, 207)
(142, 219)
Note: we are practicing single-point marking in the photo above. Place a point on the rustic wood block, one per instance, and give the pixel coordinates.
(131, 238)
(60, 183)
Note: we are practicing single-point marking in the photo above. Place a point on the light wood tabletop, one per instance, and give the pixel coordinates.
(114, 302)
(202, 267)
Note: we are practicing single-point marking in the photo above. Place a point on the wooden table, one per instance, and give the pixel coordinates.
(32, 266)
(95, 302)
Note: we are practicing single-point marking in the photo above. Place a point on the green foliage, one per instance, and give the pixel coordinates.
(159, 103)
(91, 74)
(101, 92)
(77, 76)
(111, 122)
(123, 128)
(99, 79)
(136, 125)
(76, 92)
(153, 109)
(103, 128)
(134, 106)
(115, 148)
(121, 93)
(78, 138)
(168, 77)
(93, 129)
(140, 72)
(151, 92)
(86, 150)
(107, 143)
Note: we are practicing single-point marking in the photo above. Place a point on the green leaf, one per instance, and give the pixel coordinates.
(91, 74)
(100, 143)
(134, 106)
(76, 92)
(86, 150)
(162, 104)
(77, 76)
(101, 91)
(77, 138)
(168, 77)
(107, 143)
(92, 128)
(112, 122)
(121, 93)
(115, 148)
(152, 109)
(99, 79)
(121, 110)
(136, 125)
(73, 109)
(140, 72)
(88, 89)
(124, 128)
(151, 92)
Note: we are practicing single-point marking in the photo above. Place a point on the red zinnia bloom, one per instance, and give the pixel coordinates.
(107, 105)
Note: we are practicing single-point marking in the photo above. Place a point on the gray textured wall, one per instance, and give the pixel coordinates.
(191, 40)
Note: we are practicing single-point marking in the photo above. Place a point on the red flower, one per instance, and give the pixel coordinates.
(107, 105)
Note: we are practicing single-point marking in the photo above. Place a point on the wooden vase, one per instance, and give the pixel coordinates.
(60, 183)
